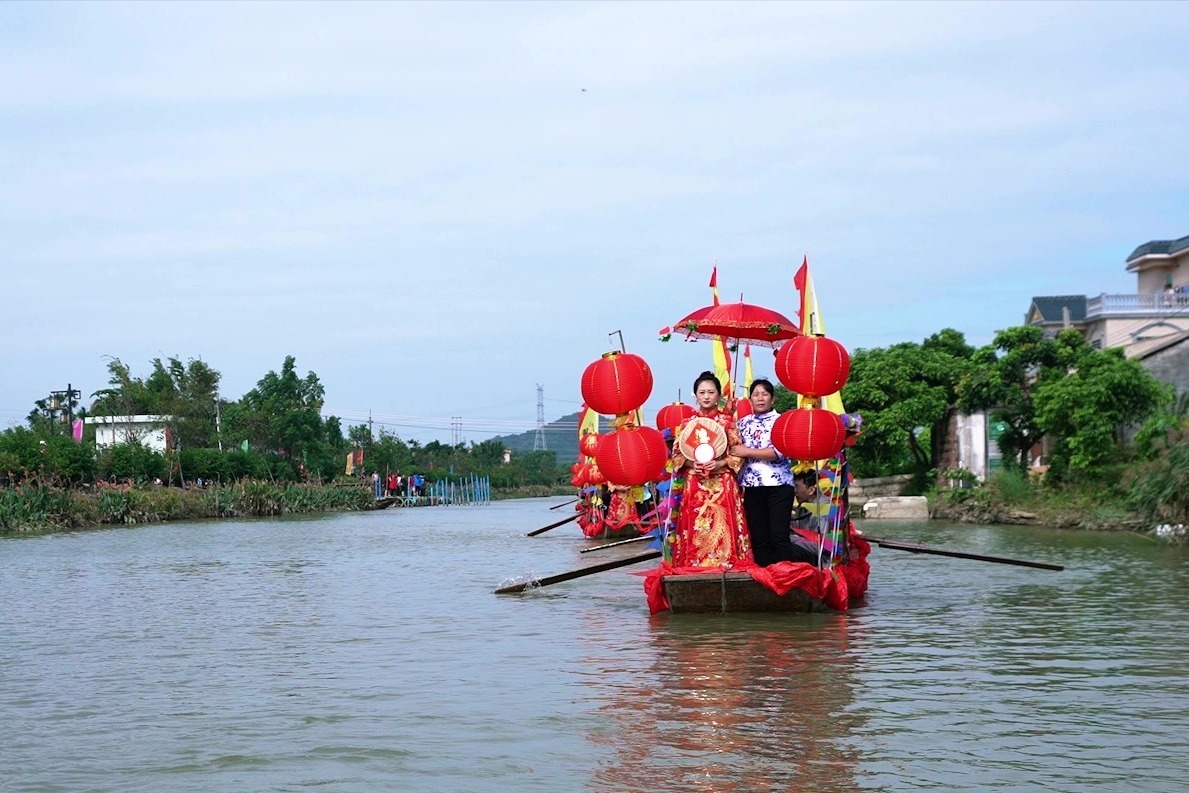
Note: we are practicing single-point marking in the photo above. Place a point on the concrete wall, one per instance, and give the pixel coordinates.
(149, 431)
(862, 490)
(1171, 366)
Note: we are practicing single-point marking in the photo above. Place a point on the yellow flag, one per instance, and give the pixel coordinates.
(812, 323)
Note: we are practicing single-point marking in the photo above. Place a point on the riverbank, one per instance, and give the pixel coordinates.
(39, 508)
(1013, 501)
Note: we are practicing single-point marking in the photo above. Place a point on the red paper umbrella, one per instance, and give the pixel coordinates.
(632, 456)
(757, 324)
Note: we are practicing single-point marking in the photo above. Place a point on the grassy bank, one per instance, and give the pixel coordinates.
(1011, 498)
(41, 508)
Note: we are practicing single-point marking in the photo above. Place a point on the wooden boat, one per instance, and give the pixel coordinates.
(729, 591)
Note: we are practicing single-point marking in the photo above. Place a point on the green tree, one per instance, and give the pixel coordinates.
(1085, 412)
(1005, 376)
(906, 394)
(282, 413)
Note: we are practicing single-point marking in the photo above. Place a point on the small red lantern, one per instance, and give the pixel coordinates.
(813, 366)
(670, 417)
(632, 456)
(617, 383)
(594, 476)
(808, 434)
(589, 444)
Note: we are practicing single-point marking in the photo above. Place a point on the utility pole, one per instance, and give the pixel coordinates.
(456, 429)
(539, 439)
(218, 423)
(69, 396)
(369, 426)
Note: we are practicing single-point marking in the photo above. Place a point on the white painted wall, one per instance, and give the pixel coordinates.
(149, 431)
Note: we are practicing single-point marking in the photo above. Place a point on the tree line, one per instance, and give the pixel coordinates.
(274, 432)
(1104, 417)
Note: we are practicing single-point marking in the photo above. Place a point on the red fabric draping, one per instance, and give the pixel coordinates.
(836, 587)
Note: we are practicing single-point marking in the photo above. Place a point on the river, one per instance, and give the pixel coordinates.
(366, 652)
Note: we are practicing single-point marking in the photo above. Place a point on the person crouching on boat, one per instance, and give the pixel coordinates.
(807, 516)
(711, 530)
(767, 481)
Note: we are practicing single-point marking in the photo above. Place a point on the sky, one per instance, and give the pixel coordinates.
(437, 207)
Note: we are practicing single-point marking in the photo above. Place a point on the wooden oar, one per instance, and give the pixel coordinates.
(544, 529)
(579, 573)
(641, 538)
(913, 547)
(562, 504)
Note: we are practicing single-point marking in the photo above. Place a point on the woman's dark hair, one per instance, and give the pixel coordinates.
(707, 377)
(767, 384)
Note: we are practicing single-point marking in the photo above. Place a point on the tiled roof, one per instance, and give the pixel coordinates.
(1160, 247)
(1050, 307)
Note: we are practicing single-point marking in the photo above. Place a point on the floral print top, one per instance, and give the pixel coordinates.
(755, 432)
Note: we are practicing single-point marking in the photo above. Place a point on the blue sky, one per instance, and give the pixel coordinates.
(423, 204)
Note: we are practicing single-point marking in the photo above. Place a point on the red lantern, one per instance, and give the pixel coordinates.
(619, 382)
(813, 366)
(670, 417)
(808, 434)
(594, 476)
(589, 444)
(632, 456)
(743, 408)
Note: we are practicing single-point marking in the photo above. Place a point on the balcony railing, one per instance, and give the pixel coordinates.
(1129, 305)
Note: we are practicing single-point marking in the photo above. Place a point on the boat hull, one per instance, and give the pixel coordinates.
(706, 593)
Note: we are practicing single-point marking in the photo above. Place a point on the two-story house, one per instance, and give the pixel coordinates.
(1151, 325)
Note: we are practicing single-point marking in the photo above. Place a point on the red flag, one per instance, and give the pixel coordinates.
(714, 278)
(802, 271)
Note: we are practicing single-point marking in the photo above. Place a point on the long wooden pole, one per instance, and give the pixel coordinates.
(579, 573)
(544, 529)
(564, 503)
(641, 538)
(913, 547)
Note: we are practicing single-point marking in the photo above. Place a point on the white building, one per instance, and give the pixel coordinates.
(148, 431)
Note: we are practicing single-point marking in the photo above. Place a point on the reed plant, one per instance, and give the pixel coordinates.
(37, 507)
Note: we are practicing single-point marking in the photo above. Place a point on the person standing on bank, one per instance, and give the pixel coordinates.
(766, 478)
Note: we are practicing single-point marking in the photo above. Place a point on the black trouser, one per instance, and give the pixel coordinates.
(769, 510)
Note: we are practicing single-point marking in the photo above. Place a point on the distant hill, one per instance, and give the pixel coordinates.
(561, 437)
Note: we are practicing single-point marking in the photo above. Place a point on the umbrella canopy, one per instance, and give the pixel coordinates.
(757, 324)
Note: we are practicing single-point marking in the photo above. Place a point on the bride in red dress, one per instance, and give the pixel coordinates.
(711, 530)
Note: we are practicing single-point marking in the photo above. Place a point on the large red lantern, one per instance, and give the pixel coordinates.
(670, 417)
(813, 366)
(589, 444)
(808, 434)
(617, 383)
(632, 456)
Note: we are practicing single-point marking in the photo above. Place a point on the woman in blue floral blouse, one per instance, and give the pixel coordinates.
(767, 481)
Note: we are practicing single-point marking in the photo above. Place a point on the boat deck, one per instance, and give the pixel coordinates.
(731, 592)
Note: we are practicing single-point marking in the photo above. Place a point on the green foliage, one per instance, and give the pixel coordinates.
(40, 507)
(1004, 376)
(1159, 487)
(1086, 411)
(905, 394)
(131, 462)
(282, 414)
